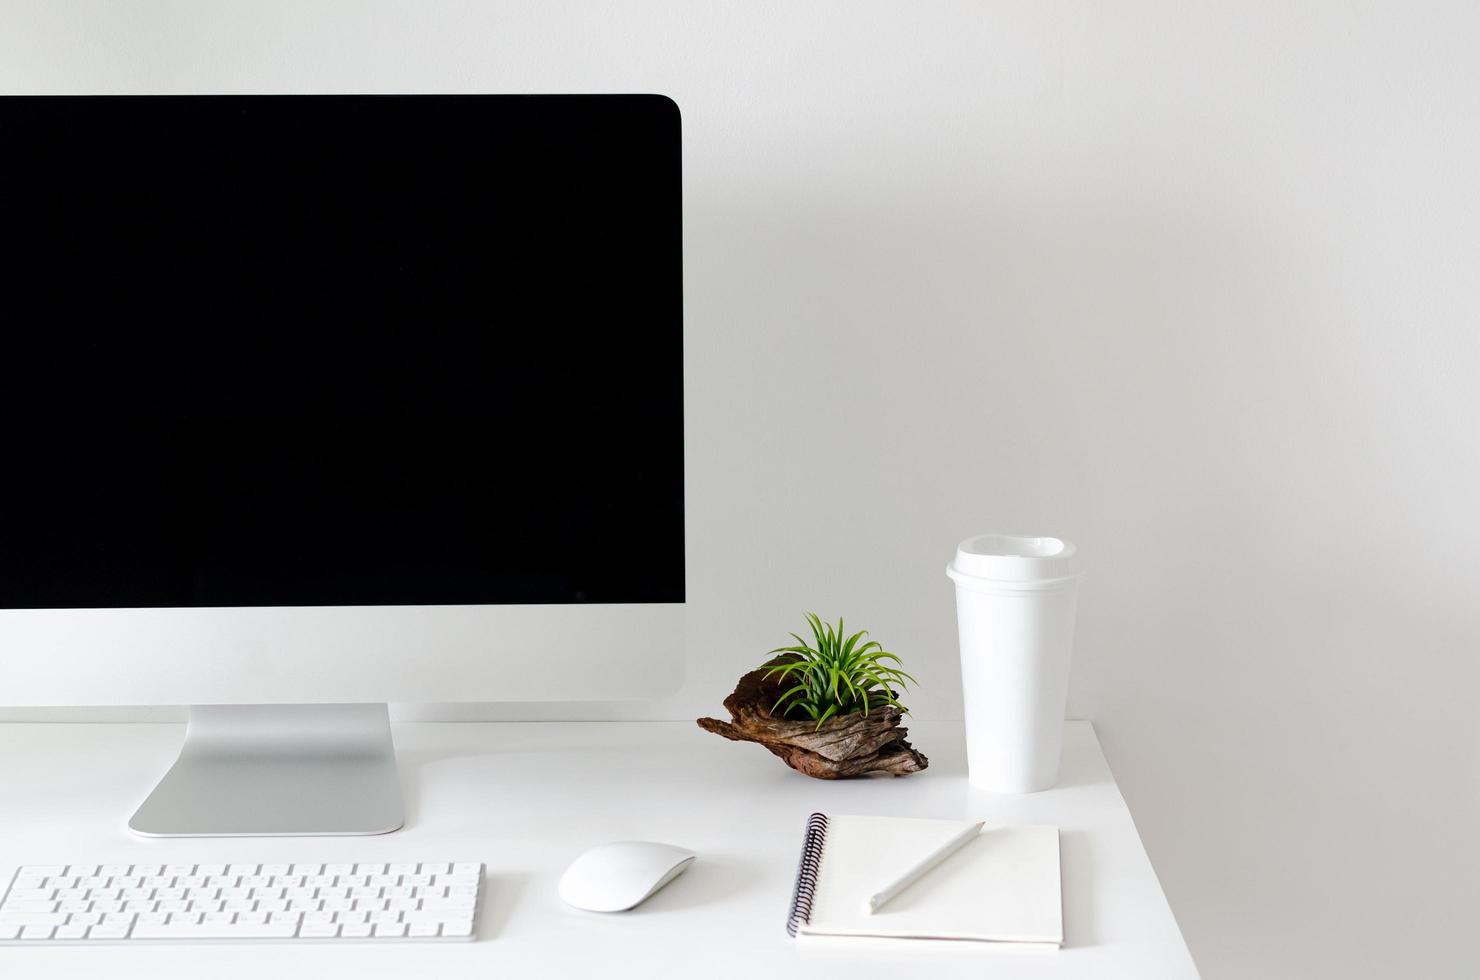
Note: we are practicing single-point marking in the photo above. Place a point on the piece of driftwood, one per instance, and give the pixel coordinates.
(850, 745)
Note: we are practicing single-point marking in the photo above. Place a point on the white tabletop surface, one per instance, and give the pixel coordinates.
(525, 799)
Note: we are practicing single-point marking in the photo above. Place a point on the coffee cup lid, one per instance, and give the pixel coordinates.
(1017, 560)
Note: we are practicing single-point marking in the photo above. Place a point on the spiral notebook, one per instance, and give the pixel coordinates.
(1003, 886)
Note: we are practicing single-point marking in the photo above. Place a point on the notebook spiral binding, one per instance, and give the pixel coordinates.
(801, 897)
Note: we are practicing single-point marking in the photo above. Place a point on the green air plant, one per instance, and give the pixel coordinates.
(835, 674)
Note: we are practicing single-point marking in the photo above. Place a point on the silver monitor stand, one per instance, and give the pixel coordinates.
(259, 770)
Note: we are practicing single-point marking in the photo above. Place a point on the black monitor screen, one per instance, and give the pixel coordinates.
(340, 350)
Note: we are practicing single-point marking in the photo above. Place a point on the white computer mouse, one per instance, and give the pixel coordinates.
(618, 876)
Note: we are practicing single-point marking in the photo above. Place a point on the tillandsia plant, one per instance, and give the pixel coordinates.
(835, 674)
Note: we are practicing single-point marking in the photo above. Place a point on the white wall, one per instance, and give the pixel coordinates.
(1193, 285)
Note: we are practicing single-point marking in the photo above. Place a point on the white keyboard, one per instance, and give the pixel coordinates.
(189, 903)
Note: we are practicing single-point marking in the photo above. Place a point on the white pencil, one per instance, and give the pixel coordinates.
(920, 870)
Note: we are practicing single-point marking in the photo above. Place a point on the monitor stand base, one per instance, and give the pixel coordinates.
(282, 770)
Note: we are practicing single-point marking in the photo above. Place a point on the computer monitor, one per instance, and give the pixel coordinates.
(313, 403)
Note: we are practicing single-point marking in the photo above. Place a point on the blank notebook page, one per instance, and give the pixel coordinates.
(1002, 886)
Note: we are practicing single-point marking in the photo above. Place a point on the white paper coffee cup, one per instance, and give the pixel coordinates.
(1015, 606)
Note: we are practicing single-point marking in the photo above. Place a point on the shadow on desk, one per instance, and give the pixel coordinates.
(708, 880)
(1077, 861)
(411, 765)
(502, 891)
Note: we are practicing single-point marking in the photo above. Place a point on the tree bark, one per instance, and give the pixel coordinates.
(849, 745)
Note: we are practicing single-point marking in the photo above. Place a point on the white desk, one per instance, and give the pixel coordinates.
(526, 798)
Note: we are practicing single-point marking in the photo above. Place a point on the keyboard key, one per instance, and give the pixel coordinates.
(382, 929)
(274, 869)
(436, 869)
(361, 869)
(171, 870)
(424, 929)
(30, 895)
(218, 918)
(109, 931)
(30, 905)
(454, 903)
(210, 870)
(458, 927)
(25, 919)
(238, 870)
(238, 930)
(306, 869)
(36, 932)
(82, 870)
(71, 931)
(9, 931)
(355, 930)
(467, 869)
(455, 880)
(318, 930)
(42, 870)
